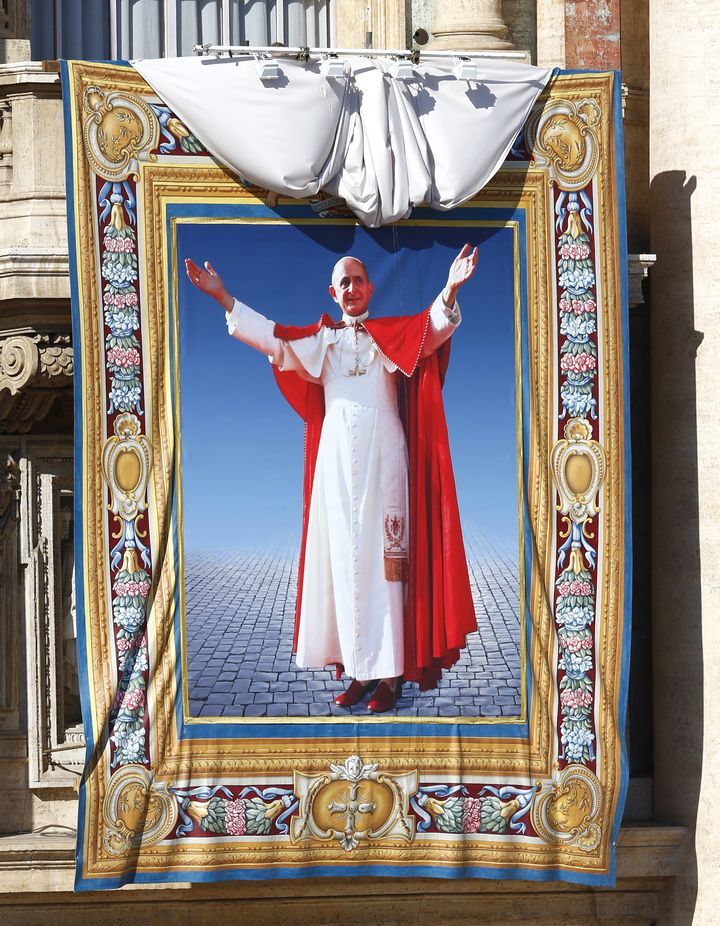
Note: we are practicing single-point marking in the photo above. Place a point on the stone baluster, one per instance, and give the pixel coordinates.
(6, 145)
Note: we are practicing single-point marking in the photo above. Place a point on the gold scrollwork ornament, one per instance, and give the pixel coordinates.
(567, 810)
(353, 804)
(578, 467)
(563, 135)
(126, 460)
(118, 129)
(137, 810)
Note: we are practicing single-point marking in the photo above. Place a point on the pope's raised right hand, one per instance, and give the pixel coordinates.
(209, 281)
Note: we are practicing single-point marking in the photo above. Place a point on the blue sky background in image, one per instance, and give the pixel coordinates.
(242, 445)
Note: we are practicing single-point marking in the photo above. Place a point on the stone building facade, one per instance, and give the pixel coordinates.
(667, 866)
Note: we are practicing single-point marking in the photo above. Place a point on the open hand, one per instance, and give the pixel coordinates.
(461, 269)
(209, 281)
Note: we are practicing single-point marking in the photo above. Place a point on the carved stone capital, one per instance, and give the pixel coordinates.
(56, 361)
(18, 363)
(34, 371)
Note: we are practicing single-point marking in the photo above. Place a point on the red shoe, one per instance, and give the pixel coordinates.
(385, 697)
(355, 692)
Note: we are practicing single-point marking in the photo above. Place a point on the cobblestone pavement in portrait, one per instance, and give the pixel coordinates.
(240, 616)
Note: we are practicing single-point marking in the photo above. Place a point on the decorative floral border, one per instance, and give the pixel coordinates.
(130, 558)
(577, 557)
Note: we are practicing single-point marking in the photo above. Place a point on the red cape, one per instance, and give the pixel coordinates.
(439, 612)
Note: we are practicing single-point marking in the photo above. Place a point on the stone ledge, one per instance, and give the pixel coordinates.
(40, 273)
(18, 73)
(34, 864)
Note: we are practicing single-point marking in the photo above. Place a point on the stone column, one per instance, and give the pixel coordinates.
(14, 30)
(469, 25)
(685, 385)
(33, 229)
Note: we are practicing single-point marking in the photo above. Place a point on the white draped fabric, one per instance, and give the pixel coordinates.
(383, 144)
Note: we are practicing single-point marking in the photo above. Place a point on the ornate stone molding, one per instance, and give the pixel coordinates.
(10, 482)
(55, 741)
(19, 361)
(34, 370)
(9, 490)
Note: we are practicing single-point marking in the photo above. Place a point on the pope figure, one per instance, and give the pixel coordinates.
(383, 587)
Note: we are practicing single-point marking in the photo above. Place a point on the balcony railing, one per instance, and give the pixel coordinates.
(126, 29)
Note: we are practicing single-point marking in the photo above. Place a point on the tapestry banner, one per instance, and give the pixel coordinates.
(352, 509)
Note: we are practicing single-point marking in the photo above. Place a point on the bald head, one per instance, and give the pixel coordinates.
(348, 265)
(351, 287)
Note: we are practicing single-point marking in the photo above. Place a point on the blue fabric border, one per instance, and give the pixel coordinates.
(627, 476)
(79, 485)
(327, 871)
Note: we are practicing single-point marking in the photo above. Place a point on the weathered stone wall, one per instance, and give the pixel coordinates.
(684, 43)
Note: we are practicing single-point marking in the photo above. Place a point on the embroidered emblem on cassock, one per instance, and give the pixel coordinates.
(395, 552)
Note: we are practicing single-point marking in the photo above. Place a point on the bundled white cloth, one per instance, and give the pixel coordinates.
(382, 143)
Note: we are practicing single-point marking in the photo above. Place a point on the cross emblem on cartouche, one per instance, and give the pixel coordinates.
(352, 806)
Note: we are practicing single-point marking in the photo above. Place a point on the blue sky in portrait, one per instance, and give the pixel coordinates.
(242, 445)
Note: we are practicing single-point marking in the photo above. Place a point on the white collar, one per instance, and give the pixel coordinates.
(354, 319)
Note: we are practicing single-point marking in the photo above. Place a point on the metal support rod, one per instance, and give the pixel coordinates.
(278, 51)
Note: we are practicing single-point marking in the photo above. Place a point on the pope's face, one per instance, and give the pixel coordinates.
(350, 286)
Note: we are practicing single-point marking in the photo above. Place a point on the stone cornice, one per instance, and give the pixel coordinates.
(34, 274)
(27, 74)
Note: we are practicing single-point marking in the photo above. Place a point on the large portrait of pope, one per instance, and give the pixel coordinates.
(351, 544)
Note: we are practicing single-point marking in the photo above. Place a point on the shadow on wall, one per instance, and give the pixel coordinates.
(675, 558)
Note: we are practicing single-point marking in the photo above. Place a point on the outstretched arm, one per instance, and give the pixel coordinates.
(461, 269)
(209, 281)
(244, 323)
(445, 314)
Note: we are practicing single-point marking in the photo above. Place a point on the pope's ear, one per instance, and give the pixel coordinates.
(371, 287)
(333, 293)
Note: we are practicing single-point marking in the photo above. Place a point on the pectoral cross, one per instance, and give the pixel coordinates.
(357, 369)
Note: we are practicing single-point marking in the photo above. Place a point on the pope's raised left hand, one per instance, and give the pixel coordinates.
(461, 269)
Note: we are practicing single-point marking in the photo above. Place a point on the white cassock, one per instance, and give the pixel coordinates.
(358, 520)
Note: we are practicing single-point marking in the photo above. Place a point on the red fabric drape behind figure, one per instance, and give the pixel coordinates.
(439, 612)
